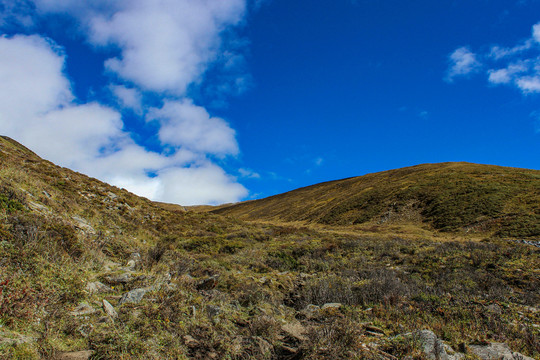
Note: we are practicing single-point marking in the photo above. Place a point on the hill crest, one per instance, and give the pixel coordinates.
(451, 196)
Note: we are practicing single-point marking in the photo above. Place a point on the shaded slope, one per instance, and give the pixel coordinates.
(448, 196)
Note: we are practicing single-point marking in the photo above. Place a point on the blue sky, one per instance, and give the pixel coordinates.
(218, 101)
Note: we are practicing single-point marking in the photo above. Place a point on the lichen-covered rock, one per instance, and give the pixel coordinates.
(496, 351)
(109, 309)
(82, 309)
(133, 296)
(434, 348)
(97, 287)
(75, 355)
(12, 338)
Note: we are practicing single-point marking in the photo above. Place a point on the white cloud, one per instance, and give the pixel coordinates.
(190, 126)
(462, 62)
(38, 108)
(529, 84)
(128, 98)
(248, 173)
(536, 32)
(506, 75)
(499, 53)
(517, 66)
(165, 45)
(212, 185)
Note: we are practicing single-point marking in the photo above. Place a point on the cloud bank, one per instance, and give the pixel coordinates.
(161, 48)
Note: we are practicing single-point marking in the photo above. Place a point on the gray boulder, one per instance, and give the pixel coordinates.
(109, 309)
(496, 351)
(433, 347)
(97, 287)
(134, 296)
(82, 309)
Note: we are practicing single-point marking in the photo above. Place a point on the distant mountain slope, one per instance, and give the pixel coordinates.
(448, 196)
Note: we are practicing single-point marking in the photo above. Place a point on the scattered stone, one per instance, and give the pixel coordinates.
(496, 351)
(85, 330)
(110, 265)
(529, 242)
(374, 329)
(331, 306)
(83, 225)
(207, 284)
(12, 338)
(311, 311)
(123, 278)
(109, 309)
(190, 341)
(46, 194)
(434, 348)
(130, 266)
(38, 207)
(295, 330)
(82, 309)
(288, 350)
(97, 287)
(213, 310)
(133, 262)
(75, 355)
(494, 308)
(133, 296)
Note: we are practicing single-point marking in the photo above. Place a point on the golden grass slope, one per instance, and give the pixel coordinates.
(448, 196)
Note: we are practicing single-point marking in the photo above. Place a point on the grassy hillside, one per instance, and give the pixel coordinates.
(448, 197)
(187, 285)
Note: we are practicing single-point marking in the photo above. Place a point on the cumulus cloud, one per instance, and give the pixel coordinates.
(190, 126)
(165, 45)
(214, 186)
(508, 74)
(529, 84)
(38, 108)
(161, 48)
(462, 62)
(128, 98)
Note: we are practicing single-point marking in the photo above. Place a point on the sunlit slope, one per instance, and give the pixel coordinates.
(446, 196)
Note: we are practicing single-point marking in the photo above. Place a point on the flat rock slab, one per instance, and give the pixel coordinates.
(97, 288)
(434, 348)
(496, 351)
(134, 296)
(109, 309)
(82, 309)
(11, 338)
(75, 355)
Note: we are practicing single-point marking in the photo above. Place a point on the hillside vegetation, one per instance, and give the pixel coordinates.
(91, 271)
(448, 197)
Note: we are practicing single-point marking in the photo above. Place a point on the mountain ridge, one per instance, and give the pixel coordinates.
(450, 196)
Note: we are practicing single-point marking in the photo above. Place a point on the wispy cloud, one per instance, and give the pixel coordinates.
(248, 173)
(162, 48)
(462, 62)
